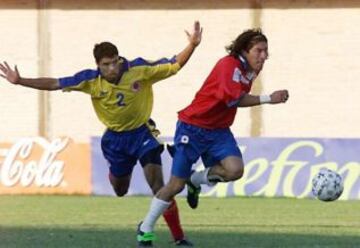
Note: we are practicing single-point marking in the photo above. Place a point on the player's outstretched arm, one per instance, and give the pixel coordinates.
(279, 96)
(13, 76)
(194, 40)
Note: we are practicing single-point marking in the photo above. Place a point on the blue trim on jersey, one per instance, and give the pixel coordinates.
(140, 61)
(244, 62)
(125, 64)
(235, 103)
(78, 78)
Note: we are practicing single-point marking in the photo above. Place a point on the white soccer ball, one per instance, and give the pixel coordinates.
(327, 185)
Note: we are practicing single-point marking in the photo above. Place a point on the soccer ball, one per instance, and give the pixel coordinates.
(327, 185)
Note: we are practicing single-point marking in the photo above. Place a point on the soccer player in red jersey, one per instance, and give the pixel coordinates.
(203, 127)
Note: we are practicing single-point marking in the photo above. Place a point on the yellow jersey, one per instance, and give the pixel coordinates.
(128, 104)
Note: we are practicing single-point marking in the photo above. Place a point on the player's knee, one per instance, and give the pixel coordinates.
(239, 173)
(170, 190)
(176, 187)
(156, 187)
(236, 174)
(179, 189)
(120, 192)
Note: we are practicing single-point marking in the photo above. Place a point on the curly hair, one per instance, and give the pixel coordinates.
(245, 41)
(104, 49)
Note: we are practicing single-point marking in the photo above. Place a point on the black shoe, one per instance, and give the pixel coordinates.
(144, 239)
(184, 243)
(193, 193)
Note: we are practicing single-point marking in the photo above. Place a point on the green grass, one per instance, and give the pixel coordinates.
(76, 221)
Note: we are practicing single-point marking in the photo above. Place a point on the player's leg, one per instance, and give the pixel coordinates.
(151, 163)
(181, 170)
(228, 169)
(120, 184)
(197, 178)
(159, 205)
(223, 162)
(193, 190)
(231, 168)
(190, 141)
(171, 215)
(121, 164)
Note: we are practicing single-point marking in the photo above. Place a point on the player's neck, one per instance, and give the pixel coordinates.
(120, 73)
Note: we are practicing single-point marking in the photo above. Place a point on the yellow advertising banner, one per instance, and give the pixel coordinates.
(36, 165)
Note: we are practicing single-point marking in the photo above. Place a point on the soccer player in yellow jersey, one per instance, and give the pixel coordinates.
(122, 96)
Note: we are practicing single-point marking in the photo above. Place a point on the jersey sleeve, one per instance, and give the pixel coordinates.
(81, 81)
(230, 79)
(155, 71)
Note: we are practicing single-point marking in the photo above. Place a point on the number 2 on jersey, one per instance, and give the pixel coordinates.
(120, 97)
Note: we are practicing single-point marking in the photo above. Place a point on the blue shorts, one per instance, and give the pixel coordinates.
(123, 149)
(191, 142)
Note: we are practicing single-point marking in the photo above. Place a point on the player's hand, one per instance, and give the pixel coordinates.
(9, 74)
(279, 96)
(195, 37)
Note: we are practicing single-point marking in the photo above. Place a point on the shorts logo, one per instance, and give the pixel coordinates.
(184, 139)
(135, 86)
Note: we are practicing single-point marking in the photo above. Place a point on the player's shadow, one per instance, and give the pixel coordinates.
(91, 237)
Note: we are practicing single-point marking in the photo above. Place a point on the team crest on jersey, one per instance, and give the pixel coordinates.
(237, 75)
(135, 86)
(103, 93)
(239, 78)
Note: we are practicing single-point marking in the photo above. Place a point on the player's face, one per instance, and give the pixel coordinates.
(110, 68)
(257, 55)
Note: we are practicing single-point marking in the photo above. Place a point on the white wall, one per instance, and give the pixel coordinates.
(316, 61)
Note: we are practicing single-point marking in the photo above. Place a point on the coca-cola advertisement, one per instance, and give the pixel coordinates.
(36, 165)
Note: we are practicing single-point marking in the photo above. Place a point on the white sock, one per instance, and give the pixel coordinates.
(201, 177)
(157, 207)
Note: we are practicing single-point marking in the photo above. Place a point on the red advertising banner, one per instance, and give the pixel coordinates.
(39, 166)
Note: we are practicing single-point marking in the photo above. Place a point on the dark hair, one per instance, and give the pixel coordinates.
(104, 49)
(245, 41)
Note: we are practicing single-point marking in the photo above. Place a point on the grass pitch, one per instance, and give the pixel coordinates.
(80, 221)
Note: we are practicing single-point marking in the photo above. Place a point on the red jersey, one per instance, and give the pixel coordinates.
(215, 104)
